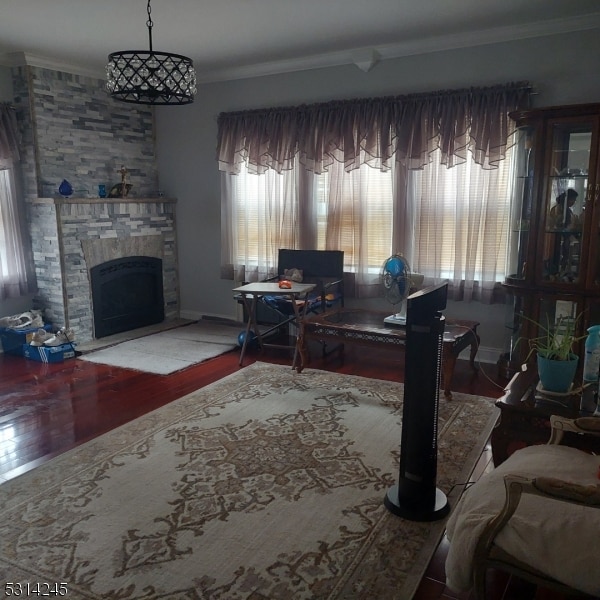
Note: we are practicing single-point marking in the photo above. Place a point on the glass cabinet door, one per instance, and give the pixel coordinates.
(564, 206)
(522, 201)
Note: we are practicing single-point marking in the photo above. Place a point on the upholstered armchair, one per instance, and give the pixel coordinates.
(536, 516)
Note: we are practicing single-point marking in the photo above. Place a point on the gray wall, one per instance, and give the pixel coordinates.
(562, 68)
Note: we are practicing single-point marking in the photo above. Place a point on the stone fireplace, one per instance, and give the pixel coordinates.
(72, 236)
(71, 129)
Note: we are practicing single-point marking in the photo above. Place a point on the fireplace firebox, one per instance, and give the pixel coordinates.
(127, 293)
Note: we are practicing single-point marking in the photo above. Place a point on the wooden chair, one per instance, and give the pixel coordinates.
(499, 536)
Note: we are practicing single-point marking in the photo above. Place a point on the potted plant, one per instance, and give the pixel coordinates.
(556, 361)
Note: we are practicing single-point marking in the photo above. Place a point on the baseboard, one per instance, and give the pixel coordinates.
(485, 354)
(197, 316)
(193, 315)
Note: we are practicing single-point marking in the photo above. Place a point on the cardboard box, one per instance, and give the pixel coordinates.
(49, 354)
(13, 340)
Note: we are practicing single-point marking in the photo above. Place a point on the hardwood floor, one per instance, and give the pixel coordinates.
(47, 409)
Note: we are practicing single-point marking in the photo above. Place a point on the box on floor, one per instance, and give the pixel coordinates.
(49, 354)
(15, 340)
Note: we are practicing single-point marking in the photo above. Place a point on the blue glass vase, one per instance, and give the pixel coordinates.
(65, 188)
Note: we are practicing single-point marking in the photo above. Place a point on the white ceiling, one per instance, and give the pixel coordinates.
(228, 39)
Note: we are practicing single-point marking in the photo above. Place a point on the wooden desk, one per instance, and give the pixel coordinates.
(367, 327)
(251, 292)
(525, 416)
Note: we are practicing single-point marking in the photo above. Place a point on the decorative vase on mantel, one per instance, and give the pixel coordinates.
(557, 375)
(65, 188)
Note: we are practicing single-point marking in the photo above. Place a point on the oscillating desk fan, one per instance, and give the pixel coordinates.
(397, 280)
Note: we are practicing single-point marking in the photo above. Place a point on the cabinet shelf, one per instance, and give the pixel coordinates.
(568, 176)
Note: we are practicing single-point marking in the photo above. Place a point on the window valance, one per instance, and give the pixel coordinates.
(373, 131)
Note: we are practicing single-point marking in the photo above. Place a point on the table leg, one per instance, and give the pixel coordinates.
(251, 310)
(448, 364)
(474, 348)
(299, 349)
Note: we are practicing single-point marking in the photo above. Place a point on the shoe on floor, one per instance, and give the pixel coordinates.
(28, 319)
(40, 337)
(62, 336)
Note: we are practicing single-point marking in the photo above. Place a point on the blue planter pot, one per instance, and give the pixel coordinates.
(557, 375)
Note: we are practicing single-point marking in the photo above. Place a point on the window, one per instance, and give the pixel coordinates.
(6, 198)
(458, 218)
(461, 220)
(13, 240)
(386, 186)
(355, 214)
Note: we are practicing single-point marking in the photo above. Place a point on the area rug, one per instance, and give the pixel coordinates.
(169, 351)
(267, 484)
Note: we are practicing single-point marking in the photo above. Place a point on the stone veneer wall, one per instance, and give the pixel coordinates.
(71, 129)
(71, 236)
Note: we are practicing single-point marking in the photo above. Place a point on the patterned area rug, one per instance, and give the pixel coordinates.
(267, 484)
(169, 351)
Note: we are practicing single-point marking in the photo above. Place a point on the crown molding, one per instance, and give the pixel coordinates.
(403, 49)
(21, 59)
(364, 58)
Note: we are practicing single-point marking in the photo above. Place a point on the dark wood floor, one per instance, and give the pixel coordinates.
(46, 409)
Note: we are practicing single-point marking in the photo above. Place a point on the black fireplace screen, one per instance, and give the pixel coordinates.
(127, 293)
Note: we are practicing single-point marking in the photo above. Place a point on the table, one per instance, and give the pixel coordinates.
(366, 327)
(251, 292)
(525, 415)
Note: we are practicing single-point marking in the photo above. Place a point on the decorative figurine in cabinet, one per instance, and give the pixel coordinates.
(554, 269)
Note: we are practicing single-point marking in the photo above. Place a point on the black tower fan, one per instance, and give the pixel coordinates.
(416, 496)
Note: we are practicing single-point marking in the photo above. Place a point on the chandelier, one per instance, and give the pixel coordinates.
(148, 77)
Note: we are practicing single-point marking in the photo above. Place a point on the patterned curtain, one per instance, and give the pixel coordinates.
(373, 131)
(16, 269)
(451, 227)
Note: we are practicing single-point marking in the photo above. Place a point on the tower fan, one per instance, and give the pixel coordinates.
(416, 496)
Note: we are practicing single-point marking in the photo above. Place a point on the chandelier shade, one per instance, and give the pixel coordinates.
(149, 77)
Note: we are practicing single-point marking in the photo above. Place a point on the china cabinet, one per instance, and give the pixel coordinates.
(554, 266)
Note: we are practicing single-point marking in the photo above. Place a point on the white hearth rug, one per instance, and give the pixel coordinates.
(170, 351)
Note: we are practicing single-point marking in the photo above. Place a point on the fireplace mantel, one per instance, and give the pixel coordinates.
(58, 200)
(72, 235)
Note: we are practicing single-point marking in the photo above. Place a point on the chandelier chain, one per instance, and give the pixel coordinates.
(149, 24)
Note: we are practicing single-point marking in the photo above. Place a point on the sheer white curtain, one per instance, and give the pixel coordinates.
(261, 213)
(357, 217)
(15, 270)
(450, 223)
(16, 265)
(460, 221)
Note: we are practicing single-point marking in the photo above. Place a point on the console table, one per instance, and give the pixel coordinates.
(367, 327)
(525, 416)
